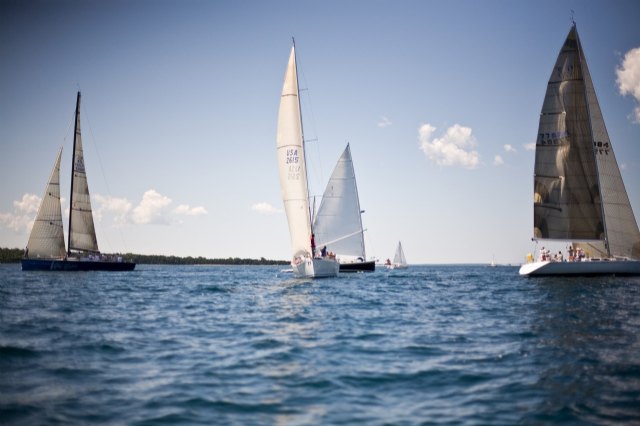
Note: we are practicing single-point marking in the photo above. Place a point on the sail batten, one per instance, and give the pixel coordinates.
(589, 201)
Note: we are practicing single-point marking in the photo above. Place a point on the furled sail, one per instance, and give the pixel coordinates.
(338, 221)
(82, 234)
(578, 191)
(291, 162)
(47, 237)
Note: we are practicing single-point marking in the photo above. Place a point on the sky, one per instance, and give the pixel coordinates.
(439, 101)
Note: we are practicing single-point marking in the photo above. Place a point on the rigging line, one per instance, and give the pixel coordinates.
(104, 178)
(317, 171)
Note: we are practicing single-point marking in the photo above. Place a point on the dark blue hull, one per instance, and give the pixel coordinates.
(75, 265)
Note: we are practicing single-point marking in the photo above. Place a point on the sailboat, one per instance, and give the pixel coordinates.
(46, 248)
(338, 222)
(399, 261)
(293, 182)
(579, 195)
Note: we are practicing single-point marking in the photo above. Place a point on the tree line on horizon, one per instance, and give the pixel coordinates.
(13, 255)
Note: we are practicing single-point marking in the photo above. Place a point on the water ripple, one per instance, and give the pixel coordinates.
(250, 345)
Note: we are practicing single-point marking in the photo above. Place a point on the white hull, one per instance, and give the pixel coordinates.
(593, 267)
(316, 268)
(396, 266)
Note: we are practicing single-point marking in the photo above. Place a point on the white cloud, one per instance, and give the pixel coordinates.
(628, 77)
(152, 209)
(265, 208)
(118, 206)
(384, 122)
(454, 148)
(498, 161)
(509, 148)
(23, 215)
(530, 146)
(187, 210)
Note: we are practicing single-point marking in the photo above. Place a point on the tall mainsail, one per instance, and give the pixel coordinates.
(82, 234)
(47, 236)
(339, 221)
(291, 162)
(578, 190)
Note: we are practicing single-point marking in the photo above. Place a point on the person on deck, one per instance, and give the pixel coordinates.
(323, 252)
(313, 245)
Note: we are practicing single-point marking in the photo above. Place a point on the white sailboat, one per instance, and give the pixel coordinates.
(399, 261)
(45, 248)
(338, 223)
(293, 182)
(579, 195)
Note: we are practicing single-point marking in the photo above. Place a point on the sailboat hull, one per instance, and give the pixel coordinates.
(358, 266)
(587, 268)
(75, 265)
(316, 268)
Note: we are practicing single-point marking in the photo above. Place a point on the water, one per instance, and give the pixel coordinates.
(250, 345)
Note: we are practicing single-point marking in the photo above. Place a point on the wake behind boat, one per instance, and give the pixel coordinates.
(46, 248)
(293, 182)
(579, 195)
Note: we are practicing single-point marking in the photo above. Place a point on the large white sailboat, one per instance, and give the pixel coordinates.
(293, 182)
(579, 195)
(338, 223)
(45, 248)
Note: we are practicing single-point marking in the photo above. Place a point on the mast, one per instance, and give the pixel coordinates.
(593, 151)
(306, 175)
(73, 162)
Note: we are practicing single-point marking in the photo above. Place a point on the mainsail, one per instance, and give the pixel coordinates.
(291, 162)
(578, 190)
(82, 234)
(338, 221)
(47, 237)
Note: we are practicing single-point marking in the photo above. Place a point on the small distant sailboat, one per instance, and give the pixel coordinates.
(338, 223)
(46, 249)
(579, 195)
(399, 261)
(293, 182)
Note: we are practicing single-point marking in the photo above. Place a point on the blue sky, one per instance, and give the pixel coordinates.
(180, 103)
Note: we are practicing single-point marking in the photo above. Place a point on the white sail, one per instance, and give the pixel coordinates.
(291, 163)
(399, 259)
(338, 221)
(578, 190)
(47, 237)
(82, 234)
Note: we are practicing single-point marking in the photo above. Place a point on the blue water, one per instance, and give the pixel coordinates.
(251, 345)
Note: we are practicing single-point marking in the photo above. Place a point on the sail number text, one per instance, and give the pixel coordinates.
(293, 160)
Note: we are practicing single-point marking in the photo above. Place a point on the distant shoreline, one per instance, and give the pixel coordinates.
(13, 255)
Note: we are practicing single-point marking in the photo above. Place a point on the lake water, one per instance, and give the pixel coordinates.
(251, 345)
